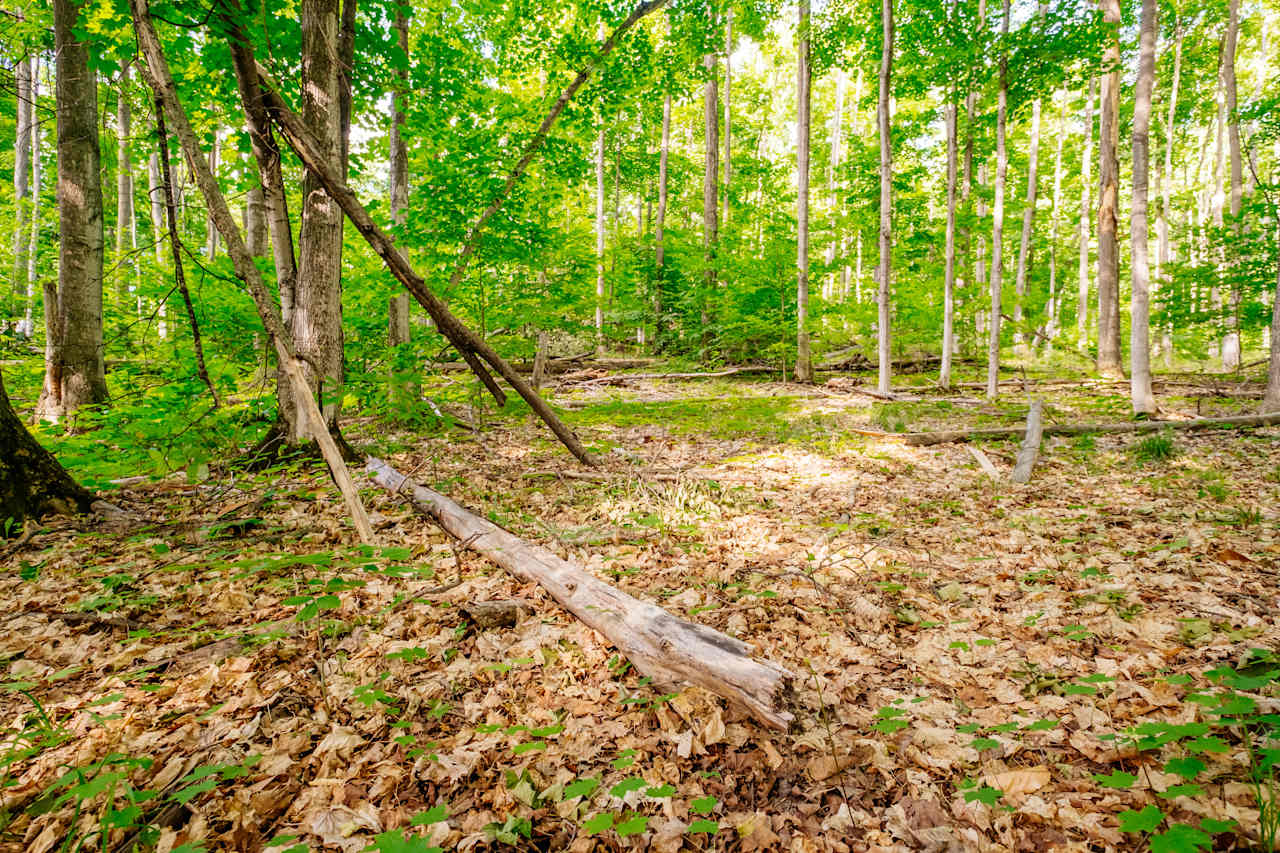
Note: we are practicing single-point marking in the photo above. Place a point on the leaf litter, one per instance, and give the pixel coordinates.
(969, 655)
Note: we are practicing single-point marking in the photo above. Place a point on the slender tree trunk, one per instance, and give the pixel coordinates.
(317, 314)
(1055, 295)
(1109, 182)
(804, 359)
(398, 310)
(949, 274)
(126, 230)
(600, 241)
(1028, 222)
(884, 125)
(22, 73)
(33, 247)
(175, 246)
(77, 373)
(710, 194)
(1143, 399)
(1166, 174)
(833, 189)
(1231, 340)
(728, 126)
(1271, 401)
(659, 232)
(997, 215)
(1086, 217)
(155, 195)
(211, 230)
(255, 221)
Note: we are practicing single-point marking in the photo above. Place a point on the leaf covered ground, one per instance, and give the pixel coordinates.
(979, 666)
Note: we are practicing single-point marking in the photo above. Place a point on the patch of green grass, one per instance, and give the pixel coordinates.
(1156, 448)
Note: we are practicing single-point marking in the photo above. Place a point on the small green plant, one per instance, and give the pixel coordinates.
(1155, 448)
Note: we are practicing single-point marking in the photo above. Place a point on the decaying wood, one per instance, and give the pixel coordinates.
(984, 461)
(624, 378)
(925, 439)
(503, 613)
(1030, 450)
(662, 646)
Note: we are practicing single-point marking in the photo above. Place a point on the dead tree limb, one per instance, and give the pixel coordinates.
(158, 76)
(664, 647)
(925, 439)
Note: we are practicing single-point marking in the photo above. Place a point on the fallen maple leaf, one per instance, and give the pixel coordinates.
(1017, 785)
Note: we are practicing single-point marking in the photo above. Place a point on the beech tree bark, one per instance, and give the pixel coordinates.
(1108, 362)
(1141, 395)
(126, 227)
(997, 215)
(804, 358)
(599, 225)
(1271, 400)
(659, 233)
(33, 247)
(949, 273)
(32, 483)
(22, 73)
(1231, 340)
(75, 372)
(728, 124)
(1055, 293)
(710, 191)
(155, 194)
(1085, 229)
(884, 351)
(211, 230)
(1028, 219)
(398, 310)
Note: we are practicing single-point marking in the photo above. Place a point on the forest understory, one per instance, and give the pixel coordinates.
(1064, 665)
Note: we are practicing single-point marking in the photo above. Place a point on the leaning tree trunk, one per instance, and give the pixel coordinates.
(1109, 183)
(997, 215)
(883, 348)
(75, 372)
(804, 358)
(32, 483)
(1143, 399)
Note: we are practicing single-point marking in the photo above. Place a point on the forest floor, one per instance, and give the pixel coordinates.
(979, 665)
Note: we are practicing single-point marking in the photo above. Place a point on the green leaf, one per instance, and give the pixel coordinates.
(1180, 838)
(436, 814)
(982, 744)
(1184, 766)
(703, 805)
(703, 825)
(581, 788)
(1144, 821)
(632, 826)
(986, 795)
(660, 792)
(626, 786)
(190, 792)
(599, 823)
(1215, 827)
(531, 746)
(1117, 779)
(1181, 791)
(1210, 743)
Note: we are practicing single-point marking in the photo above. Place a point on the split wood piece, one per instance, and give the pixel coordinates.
(156, 71)
(664, 647)
(983, 461)
(1030, 450)
(926, 439)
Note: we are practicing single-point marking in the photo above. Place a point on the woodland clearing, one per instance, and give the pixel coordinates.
(979, 665)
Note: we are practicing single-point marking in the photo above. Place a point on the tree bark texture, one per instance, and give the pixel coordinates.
(76, 375)
(599, 229)
(1141, 395)
(728, 115)
(997, 216)
(710, 183)
(1028, 225)
(32, 483)
(25, 119)
(399, 102)
(884, 125)
(126, 229)
(1231, 340)
(1086, 219)
(659, 232)
(949, 273)
(1108, 362)
(804, 358)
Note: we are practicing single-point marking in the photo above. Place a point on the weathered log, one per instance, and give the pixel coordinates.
(1030, 450)
(664, 647)
(925, 439)
(984, 461)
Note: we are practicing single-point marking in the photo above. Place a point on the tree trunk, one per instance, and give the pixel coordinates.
(1166, 187)
(155, 194)
(1028, 222)
(1109, 182)
(1231, 340)
(1271, 401)
(255, 221)
(600, 241)
(883, 349)
(728, 126)
(317, 315)
(949, 274)
(710, 192)
(33, 247)
(1086, 217)
(126, 230)
(211, 230)
(804, 358)
(399, 149)
(79, 375)
(32, 483)
(22, 73)
(1143, 399)
(659, 233)
(398, 320)
(997, 215)
(1055, 295)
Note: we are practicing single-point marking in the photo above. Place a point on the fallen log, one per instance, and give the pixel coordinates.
(623, 378)
(662, 646)
(1030, 450)
(926, 439)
